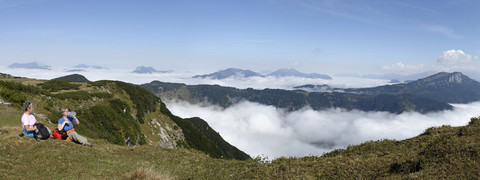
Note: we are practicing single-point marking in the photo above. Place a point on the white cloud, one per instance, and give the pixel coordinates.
(261, 130)
(404, 67)
(455, 56)
(457, 60)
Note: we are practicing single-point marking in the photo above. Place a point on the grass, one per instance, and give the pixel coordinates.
(52, 159)
(442, 152)
(8, 116)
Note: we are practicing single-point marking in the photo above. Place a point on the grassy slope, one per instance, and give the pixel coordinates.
(443, 152)
(114, 111)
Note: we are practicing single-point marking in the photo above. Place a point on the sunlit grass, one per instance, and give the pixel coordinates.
(444, 152)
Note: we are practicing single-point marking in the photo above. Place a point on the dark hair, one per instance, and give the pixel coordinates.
(27, 105)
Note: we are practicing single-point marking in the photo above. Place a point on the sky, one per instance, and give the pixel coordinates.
(321, 36)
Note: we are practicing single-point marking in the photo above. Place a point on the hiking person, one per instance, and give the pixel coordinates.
(30, 124)
(66, 123)
(28, 120)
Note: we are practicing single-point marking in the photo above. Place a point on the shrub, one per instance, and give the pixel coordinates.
(54, 85)
(16, 86)
(111, 123)
(77, 95)
(144, 101)
(81, 95)
(13, 96)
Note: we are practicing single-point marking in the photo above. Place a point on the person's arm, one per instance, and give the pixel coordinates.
(75, 120)
(28, 128)
(61, 125)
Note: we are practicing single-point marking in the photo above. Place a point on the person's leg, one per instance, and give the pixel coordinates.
(77, 138)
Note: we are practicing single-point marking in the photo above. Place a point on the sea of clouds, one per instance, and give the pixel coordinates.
(270, 132)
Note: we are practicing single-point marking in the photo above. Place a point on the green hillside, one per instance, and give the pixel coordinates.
(117, 112)
(438, 153)
(72, 78)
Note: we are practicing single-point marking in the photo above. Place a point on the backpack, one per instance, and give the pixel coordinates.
(59, 134)
(42, 132)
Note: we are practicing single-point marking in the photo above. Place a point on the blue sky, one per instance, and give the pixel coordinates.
(323, 36)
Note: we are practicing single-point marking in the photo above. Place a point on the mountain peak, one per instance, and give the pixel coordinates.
(148, 70)
(84, 66)
(32, 65)
(295, 73)
(72, 78)
(230, 72)
(446, 78)
(444, 87)
(456, 77)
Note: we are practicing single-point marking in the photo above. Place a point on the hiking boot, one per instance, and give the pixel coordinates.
(88, 144)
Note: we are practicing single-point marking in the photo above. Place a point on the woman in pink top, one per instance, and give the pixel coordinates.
(28, 120)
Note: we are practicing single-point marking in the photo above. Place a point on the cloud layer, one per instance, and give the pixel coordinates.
(404, 67)
(267, 131)
(185, 77)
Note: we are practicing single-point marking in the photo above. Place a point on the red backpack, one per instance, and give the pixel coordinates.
(59, 134)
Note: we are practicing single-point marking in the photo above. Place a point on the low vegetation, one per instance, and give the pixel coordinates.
(16, 92)
(55, 85)
(81, 95)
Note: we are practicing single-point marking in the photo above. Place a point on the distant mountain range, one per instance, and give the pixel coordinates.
(76, 70)
(148, 70)
(444, 87)
(240, 73)
(295, 73)
(32, 65)
(318, 88)
(230, 73)
(432, 93)
(399, 77)
(84, 66)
